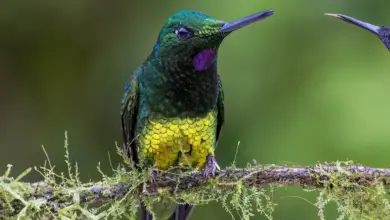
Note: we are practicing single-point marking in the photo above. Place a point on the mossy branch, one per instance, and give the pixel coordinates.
(18, 197)
(360, 192)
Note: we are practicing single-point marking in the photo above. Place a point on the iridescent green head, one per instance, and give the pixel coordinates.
(187, 33)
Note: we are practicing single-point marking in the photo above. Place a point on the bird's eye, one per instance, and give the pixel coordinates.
(183, 33)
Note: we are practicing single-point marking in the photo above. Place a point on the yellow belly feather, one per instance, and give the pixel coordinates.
(161, 140)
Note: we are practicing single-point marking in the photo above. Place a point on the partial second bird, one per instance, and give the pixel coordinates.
(172, 109)
(382, 32)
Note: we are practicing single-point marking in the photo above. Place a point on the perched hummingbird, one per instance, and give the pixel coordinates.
(381, 31)
(172, 109)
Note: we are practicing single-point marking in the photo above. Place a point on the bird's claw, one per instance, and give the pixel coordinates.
(211, 166)
(151, 188)
(153, 175)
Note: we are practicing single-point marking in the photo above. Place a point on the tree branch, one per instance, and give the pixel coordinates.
(22, 198)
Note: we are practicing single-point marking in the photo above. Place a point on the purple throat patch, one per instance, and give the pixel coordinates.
(203, 59)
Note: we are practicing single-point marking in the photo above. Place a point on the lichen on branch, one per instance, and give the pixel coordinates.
(360, 192)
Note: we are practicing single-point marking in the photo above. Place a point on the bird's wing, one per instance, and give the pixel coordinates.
(129, 110)
(220, 108)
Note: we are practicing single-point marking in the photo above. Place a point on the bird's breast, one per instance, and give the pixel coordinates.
(181, 98)
(180, 90)
(177, 141)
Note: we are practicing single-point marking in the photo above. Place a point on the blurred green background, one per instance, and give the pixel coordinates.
(300, 87)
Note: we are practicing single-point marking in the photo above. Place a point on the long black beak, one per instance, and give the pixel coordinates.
(373, 28)
(240, 23)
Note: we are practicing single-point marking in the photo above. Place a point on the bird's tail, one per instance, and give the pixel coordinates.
(181, 212)
(145, 215)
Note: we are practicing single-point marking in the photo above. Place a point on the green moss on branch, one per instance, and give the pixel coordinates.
(360, 192)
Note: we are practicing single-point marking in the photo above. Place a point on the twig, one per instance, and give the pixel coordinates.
(318, 176)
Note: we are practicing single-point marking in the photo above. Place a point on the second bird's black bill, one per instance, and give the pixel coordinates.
(370, 27)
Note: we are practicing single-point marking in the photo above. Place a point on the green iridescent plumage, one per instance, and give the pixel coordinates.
(172, 109)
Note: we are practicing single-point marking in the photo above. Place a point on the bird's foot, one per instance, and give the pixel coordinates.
(153, 175)
(211, 166)
(151, 188)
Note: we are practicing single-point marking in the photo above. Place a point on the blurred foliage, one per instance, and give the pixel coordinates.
(300, 87)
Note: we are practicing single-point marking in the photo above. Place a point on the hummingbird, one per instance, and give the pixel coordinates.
(172, 110)
(382, 32)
